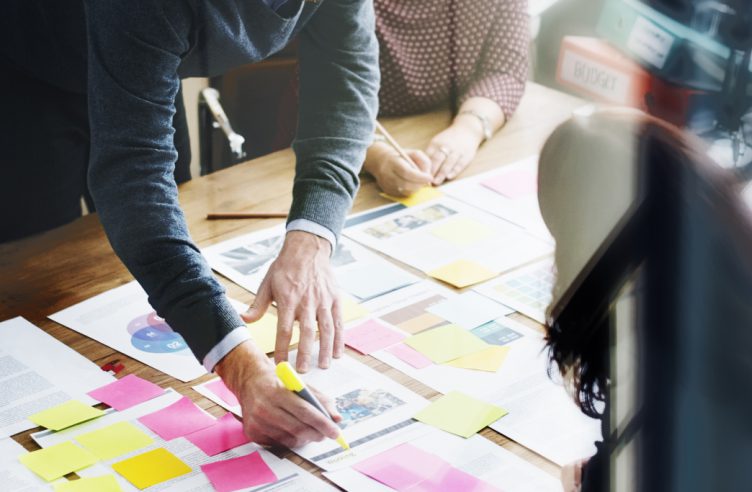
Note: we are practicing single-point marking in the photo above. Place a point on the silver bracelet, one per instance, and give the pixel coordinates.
(484, 123)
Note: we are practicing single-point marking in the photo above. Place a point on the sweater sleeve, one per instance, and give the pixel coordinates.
(503, 67)
(339, 82)
(134, 54)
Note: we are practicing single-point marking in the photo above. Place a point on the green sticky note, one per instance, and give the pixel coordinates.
(105, 483)
(151, 468)
(58, 460)
(446, 343)
(460, 414)
(115, 440)
(65, 415)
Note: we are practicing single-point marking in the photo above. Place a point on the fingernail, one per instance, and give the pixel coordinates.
(303, 367)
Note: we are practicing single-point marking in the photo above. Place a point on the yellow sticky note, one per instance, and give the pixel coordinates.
(151, 468)
(115, 440)
(105, 483)
(65, 415)
(490, 359)
(462, 231)
(264, 333)
(423, 195)
(460, 414)
(462, 273)
(56, 461)
(351, 310)
(446, 343)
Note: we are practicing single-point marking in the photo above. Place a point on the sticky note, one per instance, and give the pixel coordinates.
(65, 415)
(239, 473)
(56, 461)
(446, 343)
(179, 419)
(114, 440)
(219, 388)
(105, 483)
(402, 467)
(423, 195)
(150, 468)
(225, 434)
(514, 184)
(264, 333)
(451, 479)
(409, 355)
(462, 273)
(462, 231)
(351, 310)
(490, 359)
(469, 310)
(126, 392)
(460, 414)
(368, 280)
(371, 336)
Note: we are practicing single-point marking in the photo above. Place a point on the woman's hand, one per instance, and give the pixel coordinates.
(453, 149)
(394, 175)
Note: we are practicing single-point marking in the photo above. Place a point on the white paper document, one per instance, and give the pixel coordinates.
(14, 476)
(361, 273)
(37, 372)
(477, 456)
(122, 318)
(443, 231)
(519, 207)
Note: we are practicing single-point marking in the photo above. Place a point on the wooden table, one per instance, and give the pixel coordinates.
(54, 270)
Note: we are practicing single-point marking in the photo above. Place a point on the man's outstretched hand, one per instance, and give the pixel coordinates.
(302, 284)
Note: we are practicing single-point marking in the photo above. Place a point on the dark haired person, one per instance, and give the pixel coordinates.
(90, 98)
(473, 51)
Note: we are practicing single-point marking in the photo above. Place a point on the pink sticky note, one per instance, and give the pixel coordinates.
(514, 184)
(239, 473)
(371, 336)
(402, 467)
(226, 433)
(179, 419)
(409, 355)
(451, 479)
(223, 392)
(126, 392)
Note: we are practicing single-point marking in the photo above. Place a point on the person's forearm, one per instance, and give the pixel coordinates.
(473, 110)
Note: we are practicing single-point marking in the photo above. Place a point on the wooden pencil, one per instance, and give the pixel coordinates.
(248, 215)
(390, 139)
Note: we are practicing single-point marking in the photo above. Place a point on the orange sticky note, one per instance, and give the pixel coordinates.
(462, 273)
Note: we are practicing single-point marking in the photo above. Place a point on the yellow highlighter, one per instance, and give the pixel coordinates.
(294, 383)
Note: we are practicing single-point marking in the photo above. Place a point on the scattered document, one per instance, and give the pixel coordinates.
(38, 373)
(57, 461)
(64, 415)
(528, 290)
(122, 318)
(246, 259)
(476, 456)
(14, 476)
(509, 192)
(370, 336)
(126, 392)
(440, 233)
(105, 483)
(460, 414)
(469, 310)
(239, 473)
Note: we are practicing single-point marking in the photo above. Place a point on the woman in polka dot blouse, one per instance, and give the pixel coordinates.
(474, 52)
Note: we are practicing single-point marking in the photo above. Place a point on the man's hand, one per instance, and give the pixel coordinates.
(272, 414)
(302, 284)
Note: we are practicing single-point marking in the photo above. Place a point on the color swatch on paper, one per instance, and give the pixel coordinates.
(225, 434)
(56, 461)
(446, 343)
(104, 483)
(462, 231)
(239, 473)
(126, 392)
(114, 440)
(462, 273)
(489, 360)
(179, 419)
(460, 414)
(151, 468)
(371, 336)
(65, 415)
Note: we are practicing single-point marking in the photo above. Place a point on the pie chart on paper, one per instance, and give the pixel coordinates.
(152, 334)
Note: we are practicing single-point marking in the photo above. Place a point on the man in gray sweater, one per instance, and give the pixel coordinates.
(136, 52)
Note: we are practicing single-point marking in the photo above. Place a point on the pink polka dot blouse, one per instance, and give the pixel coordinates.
(425, 44)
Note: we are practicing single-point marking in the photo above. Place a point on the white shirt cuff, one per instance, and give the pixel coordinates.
(311, 227)
(229, 342)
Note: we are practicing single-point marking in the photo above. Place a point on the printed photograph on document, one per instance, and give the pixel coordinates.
(410, 222)
(362, 404)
